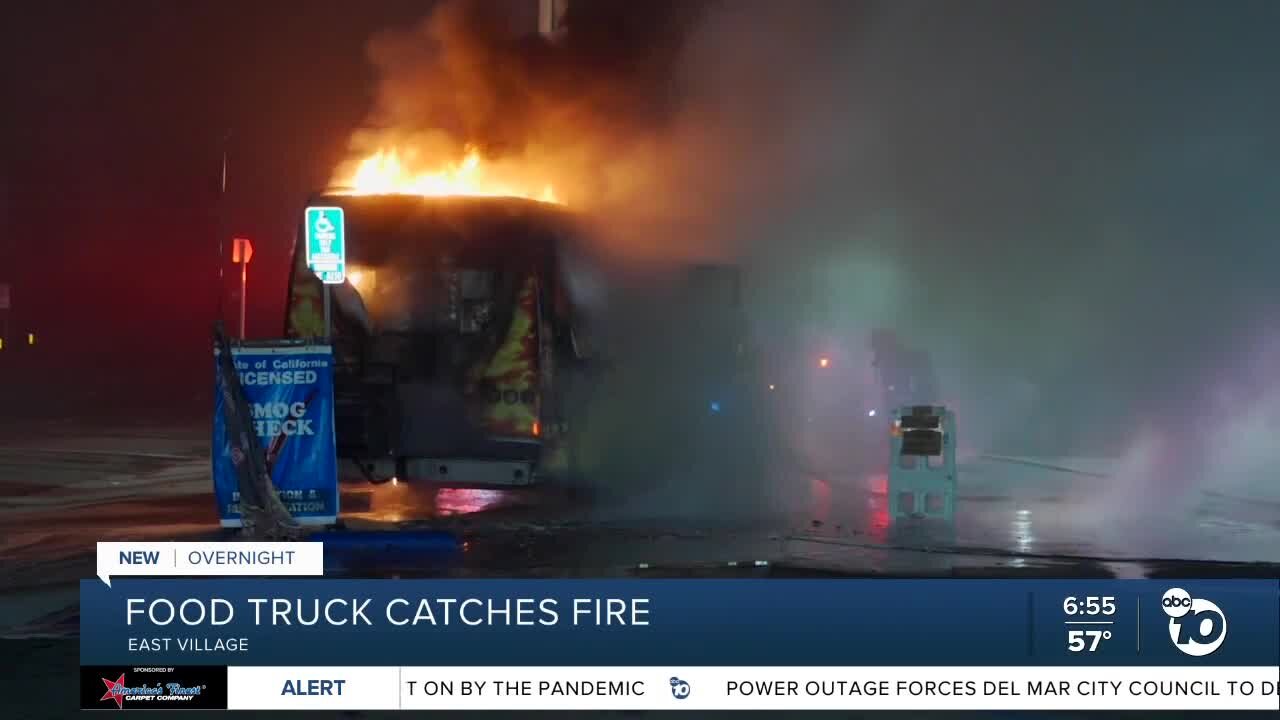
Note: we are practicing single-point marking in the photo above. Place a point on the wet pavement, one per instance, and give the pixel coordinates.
(65, 486)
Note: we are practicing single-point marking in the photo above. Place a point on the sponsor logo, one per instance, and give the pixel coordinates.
(118, 692)
(141, 688)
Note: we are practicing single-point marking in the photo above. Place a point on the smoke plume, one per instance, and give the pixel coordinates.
(1067, 204)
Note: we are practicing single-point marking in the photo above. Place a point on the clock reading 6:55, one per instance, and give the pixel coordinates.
(1090, 605)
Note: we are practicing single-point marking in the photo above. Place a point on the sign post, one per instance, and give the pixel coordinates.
(241, 252)
(4, 313)
(327, 250)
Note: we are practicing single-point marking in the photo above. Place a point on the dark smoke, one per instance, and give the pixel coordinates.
(1069, 204)
(466, 71)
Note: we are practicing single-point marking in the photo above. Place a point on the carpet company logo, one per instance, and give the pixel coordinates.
(118, 692)
(1197, 626)
(115, 691)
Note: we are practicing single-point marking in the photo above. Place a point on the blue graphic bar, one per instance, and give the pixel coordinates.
(687, 622)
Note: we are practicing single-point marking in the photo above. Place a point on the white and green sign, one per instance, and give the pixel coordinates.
(327, 244)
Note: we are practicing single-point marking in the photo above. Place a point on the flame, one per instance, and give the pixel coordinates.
(384, 173)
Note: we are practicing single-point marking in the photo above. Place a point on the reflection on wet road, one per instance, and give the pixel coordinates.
(406, 502)
(61, 493)
(1024, 509)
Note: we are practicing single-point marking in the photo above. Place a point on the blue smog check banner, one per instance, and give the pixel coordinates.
(339, 644)
(289, 391)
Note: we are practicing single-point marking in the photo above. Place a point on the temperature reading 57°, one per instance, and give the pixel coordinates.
(1086, 640)
(1088, 621)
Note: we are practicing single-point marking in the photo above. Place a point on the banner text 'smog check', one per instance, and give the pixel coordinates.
(289, 391)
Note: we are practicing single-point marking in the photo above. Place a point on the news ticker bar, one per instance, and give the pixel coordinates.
(682, 688)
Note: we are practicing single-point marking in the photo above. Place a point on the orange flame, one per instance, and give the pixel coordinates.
(384, 173)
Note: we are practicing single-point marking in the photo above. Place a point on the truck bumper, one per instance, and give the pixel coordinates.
(506, 464)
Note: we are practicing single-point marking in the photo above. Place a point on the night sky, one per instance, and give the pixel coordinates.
(112, 139)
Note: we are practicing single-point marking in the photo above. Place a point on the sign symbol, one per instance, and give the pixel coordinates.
(326, 243)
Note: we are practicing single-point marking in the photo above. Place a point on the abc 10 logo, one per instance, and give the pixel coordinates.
(1198, 627)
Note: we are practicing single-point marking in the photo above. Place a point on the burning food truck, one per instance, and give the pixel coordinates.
(452, 335)
(461, 350)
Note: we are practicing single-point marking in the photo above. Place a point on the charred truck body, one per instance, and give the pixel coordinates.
(453, 337)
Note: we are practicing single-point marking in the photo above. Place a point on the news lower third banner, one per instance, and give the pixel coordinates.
(680, 644)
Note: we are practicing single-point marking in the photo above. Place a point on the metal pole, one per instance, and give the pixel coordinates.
(326, 312)
(244, 287)
(221, 226)
(550, 13)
